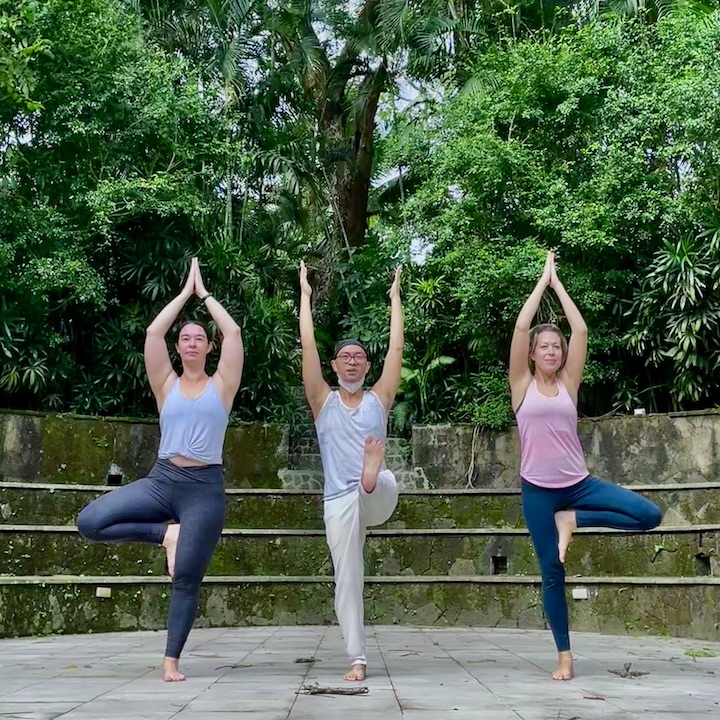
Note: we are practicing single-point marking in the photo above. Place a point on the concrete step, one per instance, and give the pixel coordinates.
(56, 504)
(666, 551)
(685, 607)
(309, 479)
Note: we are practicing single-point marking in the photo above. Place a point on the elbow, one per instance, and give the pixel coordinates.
(234, 332)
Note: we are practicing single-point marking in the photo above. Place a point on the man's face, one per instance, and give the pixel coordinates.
(351, 363)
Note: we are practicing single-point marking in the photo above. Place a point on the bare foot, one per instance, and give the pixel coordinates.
(566, 524)
(564, 669)
(372, 462)
(356, 673)
(170, 544)
(171, 673)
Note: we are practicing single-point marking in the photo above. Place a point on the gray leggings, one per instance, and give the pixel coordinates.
(195, 497)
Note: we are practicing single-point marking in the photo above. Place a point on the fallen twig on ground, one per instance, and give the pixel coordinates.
(317, 690)
(626, 672)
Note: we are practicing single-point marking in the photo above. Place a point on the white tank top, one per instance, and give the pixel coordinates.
(341, 435)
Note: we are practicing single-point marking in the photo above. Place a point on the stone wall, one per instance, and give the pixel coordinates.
(677, 448)
(75, 449)
(674, 448)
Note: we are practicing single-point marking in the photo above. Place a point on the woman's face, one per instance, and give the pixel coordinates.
(548, 353)
(192, 344)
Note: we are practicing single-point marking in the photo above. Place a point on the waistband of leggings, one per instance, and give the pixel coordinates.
(204, 473)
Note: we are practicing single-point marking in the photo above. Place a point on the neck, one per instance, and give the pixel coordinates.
(193, 374)
(545, 378)
(349, 398)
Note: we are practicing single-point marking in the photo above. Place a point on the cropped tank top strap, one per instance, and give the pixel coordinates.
(550, 449)
(193, 427)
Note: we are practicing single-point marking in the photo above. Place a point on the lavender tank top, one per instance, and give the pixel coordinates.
(550, 449)
(193, 428)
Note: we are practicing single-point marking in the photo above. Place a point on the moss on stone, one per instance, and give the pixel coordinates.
(76, 450)
(649, 555)
(254, 453)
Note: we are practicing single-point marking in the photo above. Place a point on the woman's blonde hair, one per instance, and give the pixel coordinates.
(546, 327)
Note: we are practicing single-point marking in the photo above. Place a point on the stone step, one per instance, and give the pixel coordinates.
(666, 551)
(309, 479)
(685, 607)
(57, 504)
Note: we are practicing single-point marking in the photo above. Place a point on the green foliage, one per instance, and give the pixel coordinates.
(19, 51)
(676, 315)
(598, 143)
(138, 134)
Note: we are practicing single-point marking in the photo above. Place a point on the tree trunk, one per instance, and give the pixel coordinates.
(350, 174)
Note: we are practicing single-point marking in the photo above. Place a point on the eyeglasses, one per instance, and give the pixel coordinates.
(347, 357)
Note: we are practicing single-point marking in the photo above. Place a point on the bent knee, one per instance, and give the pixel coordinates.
(651, 517)
(88, 525)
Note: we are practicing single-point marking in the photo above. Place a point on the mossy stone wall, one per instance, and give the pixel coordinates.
(75, 449)
(674, 448)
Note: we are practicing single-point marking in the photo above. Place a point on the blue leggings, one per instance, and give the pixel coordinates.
(195, 497)
(597, 503)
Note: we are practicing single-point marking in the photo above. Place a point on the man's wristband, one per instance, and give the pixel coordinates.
(203, 299)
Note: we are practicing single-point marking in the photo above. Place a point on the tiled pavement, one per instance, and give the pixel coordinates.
(415, 673)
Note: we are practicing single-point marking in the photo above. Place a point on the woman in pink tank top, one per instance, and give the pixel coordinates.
(558, 493)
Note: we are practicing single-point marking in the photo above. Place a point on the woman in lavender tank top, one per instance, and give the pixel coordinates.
(558, 493)
(186, 486)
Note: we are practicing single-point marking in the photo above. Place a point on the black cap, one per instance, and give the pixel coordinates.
(350, 341)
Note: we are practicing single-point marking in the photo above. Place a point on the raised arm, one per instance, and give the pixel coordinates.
(232, 354)
(316, 389)
(577, 347)
(157, 359)
(387, 386)
(519, 375)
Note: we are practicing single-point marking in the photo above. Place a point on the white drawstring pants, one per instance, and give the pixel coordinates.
(346, 521)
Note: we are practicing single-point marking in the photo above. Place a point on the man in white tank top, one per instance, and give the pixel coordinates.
(352, 426)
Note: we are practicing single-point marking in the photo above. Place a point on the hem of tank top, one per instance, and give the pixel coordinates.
(341, 495)
(555, 487)
(167, 458)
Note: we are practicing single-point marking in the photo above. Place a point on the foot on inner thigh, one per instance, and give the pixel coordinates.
(171, 673)
(566, 524)
(356, 673)
(170, 544)
(372, 462)
(564, 669)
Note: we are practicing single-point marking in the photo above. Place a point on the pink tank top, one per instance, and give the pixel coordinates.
(550, 449)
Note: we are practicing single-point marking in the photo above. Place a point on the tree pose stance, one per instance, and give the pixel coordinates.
(558, 493)
(351, 426)
(186, 485)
